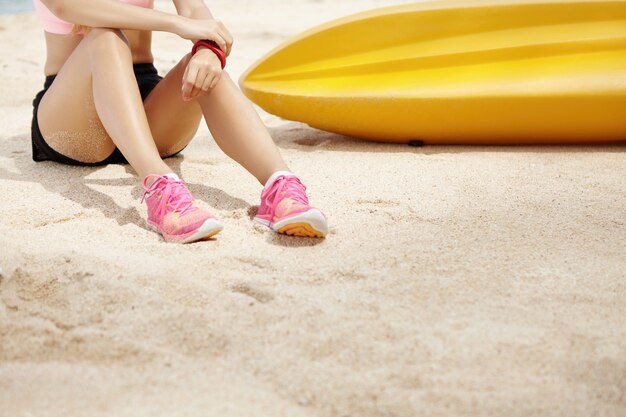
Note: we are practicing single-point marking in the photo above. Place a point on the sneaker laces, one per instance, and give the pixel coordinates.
(292, 186)
(175, 194)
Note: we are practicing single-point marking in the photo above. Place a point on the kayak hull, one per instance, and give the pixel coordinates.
(456, 72)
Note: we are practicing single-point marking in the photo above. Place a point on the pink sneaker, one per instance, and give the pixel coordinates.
(173, 212)
(285, 208)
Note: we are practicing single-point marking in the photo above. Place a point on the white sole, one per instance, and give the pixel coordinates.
(209, 228)
(311, 223)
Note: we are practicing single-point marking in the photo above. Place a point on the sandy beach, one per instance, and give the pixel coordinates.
(455, 281)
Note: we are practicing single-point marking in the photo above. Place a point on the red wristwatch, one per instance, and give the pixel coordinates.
(213, 47)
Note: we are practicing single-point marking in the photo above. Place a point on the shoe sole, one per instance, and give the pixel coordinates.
(311, 223)
(209, 228)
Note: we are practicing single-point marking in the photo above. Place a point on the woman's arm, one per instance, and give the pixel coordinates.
(115, 14)
(204, 69)
(111, 13)
(196, 9)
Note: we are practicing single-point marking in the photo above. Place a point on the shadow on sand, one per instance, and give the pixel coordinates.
(295, 135)
(77, 187)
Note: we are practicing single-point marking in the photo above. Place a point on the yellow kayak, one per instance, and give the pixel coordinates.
(456, 72)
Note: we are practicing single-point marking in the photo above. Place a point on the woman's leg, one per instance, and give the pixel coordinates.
(239, 131)
(173, 122)
(233, 122)
(94, 105)
(241, 134)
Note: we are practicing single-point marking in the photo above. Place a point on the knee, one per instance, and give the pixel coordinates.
(107, 39)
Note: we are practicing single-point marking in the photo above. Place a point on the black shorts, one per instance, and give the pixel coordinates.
(147, 78)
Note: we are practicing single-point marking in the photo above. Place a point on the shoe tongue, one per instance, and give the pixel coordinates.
(173, 176)
(275, 175)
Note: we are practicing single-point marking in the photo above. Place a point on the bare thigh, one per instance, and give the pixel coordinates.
(173, 121)
(70, 124)
(67, 115)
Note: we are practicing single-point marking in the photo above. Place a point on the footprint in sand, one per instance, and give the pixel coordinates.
(258, 294)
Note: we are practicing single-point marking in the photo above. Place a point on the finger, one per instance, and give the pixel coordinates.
(197, 88)
(220, 41)
(223, 32)
(228, 39)
(215, 80)
(194, 93)
(223, 45)
(189, 82)
(206, 86)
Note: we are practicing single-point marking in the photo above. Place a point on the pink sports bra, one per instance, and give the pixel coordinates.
(53, 24)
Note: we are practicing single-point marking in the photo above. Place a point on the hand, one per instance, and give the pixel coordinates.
(202, 74)
(211, 29)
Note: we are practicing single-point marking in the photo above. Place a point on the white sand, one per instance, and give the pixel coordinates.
(457, 281)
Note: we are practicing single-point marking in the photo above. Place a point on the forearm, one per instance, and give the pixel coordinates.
(193, 9)
(112, 14)
(199, 11)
